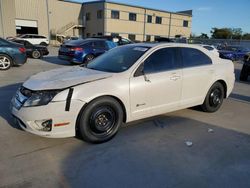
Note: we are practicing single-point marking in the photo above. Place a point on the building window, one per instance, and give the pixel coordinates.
(185, 23)
(132, 16)
(158, 20)
(99, 14)
(115, 14)
(88, 16)
(131, 37)
(99, 34)
(114, 34)
(148, 38)
(149, 19)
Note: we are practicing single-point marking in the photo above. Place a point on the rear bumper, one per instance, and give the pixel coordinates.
(20, 59)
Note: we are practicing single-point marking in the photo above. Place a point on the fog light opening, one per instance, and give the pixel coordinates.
(44, 125)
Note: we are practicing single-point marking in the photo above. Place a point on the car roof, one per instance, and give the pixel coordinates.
(165, 44)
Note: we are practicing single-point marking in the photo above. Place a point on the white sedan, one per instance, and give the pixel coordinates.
(125, 84)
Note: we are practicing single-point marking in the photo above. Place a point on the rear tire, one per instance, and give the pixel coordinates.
(5, 62)
(214, 98)
(36, 54)
(100, 120)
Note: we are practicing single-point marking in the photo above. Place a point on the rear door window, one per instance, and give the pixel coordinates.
(192, 57)
(99, 44)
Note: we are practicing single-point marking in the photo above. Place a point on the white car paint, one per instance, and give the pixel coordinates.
(34, 39)
(160, 93)
(211, 48)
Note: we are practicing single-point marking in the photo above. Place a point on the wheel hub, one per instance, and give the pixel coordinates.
(102, 121)
(4, 62)
(215, 97)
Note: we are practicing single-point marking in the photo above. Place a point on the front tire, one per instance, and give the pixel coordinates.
(100, 120)
(88, 58)
(214, 98)
(5, 62)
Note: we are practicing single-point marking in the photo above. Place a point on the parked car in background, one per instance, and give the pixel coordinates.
(34, 51)
(211, 49)
(68, 39)
(125, 84)
(117, 39)
(35, 39)
(11, 54)
(84, 50)
(233, 53)
(245, 71)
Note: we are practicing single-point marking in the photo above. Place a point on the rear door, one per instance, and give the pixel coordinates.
(99, 47)
(198, 72)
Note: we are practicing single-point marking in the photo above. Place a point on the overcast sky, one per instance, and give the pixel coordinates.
(206, 14)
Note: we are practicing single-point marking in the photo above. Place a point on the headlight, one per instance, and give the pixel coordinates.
(40, 98)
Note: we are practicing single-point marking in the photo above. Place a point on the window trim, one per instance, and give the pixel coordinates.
(132, 35)
(185, 23)
(160, 18)
(177, 57)
(182, 58)
(115, 11)
(134, 14)
(88, 16)
(150, 17)
(99, 14)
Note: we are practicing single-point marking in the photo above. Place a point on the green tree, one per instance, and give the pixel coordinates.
(221, 33)
(236, 33)
(203, 36)
(246, 36)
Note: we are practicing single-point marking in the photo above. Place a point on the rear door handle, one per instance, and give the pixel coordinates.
(175, 77)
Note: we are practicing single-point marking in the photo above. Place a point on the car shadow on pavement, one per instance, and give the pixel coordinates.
(55, 60)
(240, 97)
(154, 153)
(6, 94)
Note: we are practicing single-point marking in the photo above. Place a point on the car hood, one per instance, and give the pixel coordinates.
(63, 78)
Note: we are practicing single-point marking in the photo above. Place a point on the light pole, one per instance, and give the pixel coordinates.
(47, 6)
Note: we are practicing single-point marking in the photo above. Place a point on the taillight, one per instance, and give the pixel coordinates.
(22, 49)
(76, 49)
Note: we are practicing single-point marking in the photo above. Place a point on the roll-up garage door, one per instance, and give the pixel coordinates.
(26, 26)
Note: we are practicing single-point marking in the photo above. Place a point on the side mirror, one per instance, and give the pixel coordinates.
(140, 72)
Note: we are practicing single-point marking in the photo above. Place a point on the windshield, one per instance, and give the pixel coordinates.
(118, 59)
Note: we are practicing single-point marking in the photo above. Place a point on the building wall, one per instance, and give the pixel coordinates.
(94, 25)
(62, 14)
(172, 23)
(33, 10)
(177, 25)
(7, 18)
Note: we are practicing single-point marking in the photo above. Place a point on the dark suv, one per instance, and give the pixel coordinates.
(245, 71)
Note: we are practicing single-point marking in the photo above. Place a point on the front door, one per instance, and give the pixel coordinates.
(159, 89)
